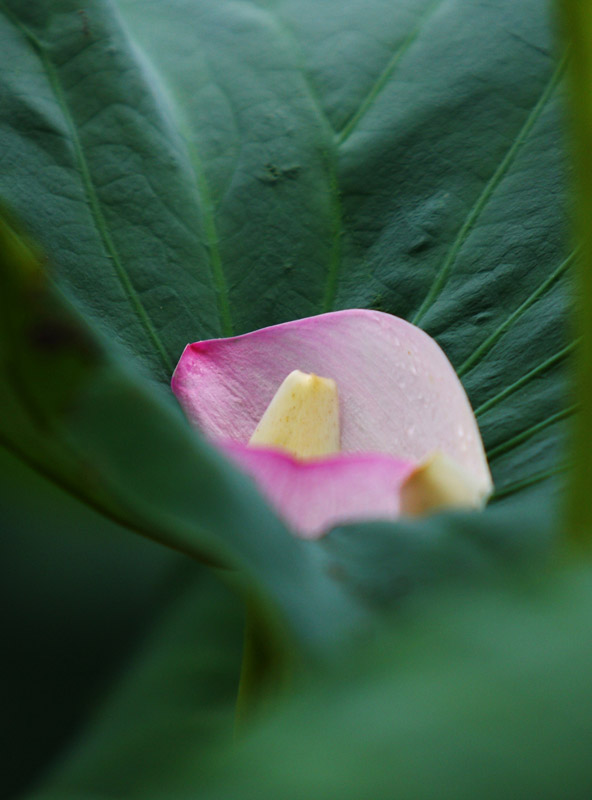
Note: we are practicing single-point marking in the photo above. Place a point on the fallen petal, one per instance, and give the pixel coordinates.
(398, 392)
(315, 496)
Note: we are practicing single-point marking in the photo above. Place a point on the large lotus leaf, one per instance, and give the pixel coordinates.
(391, 158)
(206, 168)
(203, 168)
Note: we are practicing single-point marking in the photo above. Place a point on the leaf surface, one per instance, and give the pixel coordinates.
(211, 168)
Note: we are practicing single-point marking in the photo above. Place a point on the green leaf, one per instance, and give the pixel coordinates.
(84, 416)
(171, 708)
(76, 596)
(198, 168)
(385, 564)
(214, 167)
(481, 694)
(466, 694)
(439, 197)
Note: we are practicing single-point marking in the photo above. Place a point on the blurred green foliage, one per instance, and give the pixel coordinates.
(78, 594)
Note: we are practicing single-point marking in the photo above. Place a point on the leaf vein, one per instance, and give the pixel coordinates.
(537, 477)
(91, 193)
(387, 73)
(482, 350)
(534, 373)
(487, 192)
(527, 434)
(212, 240)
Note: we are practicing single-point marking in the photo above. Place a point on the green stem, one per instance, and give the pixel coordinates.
(266, 665)
(576, 18)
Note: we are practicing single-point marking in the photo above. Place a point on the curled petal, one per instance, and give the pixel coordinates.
(314, 496)
(399, 394)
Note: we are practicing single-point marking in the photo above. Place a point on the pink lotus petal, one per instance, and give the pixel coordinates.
(398, 392)
(314, 496)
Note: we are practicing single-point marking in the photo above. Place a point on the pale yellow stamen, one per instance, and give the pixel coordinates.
(439, 482)
(302, 418)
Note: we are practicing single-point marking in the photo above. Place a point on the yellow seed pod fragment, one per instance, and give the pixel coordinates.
(439, 482)
(302, 418)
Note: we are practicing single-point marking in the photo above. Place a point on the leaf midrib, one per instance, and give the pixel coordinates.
(207, 206)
